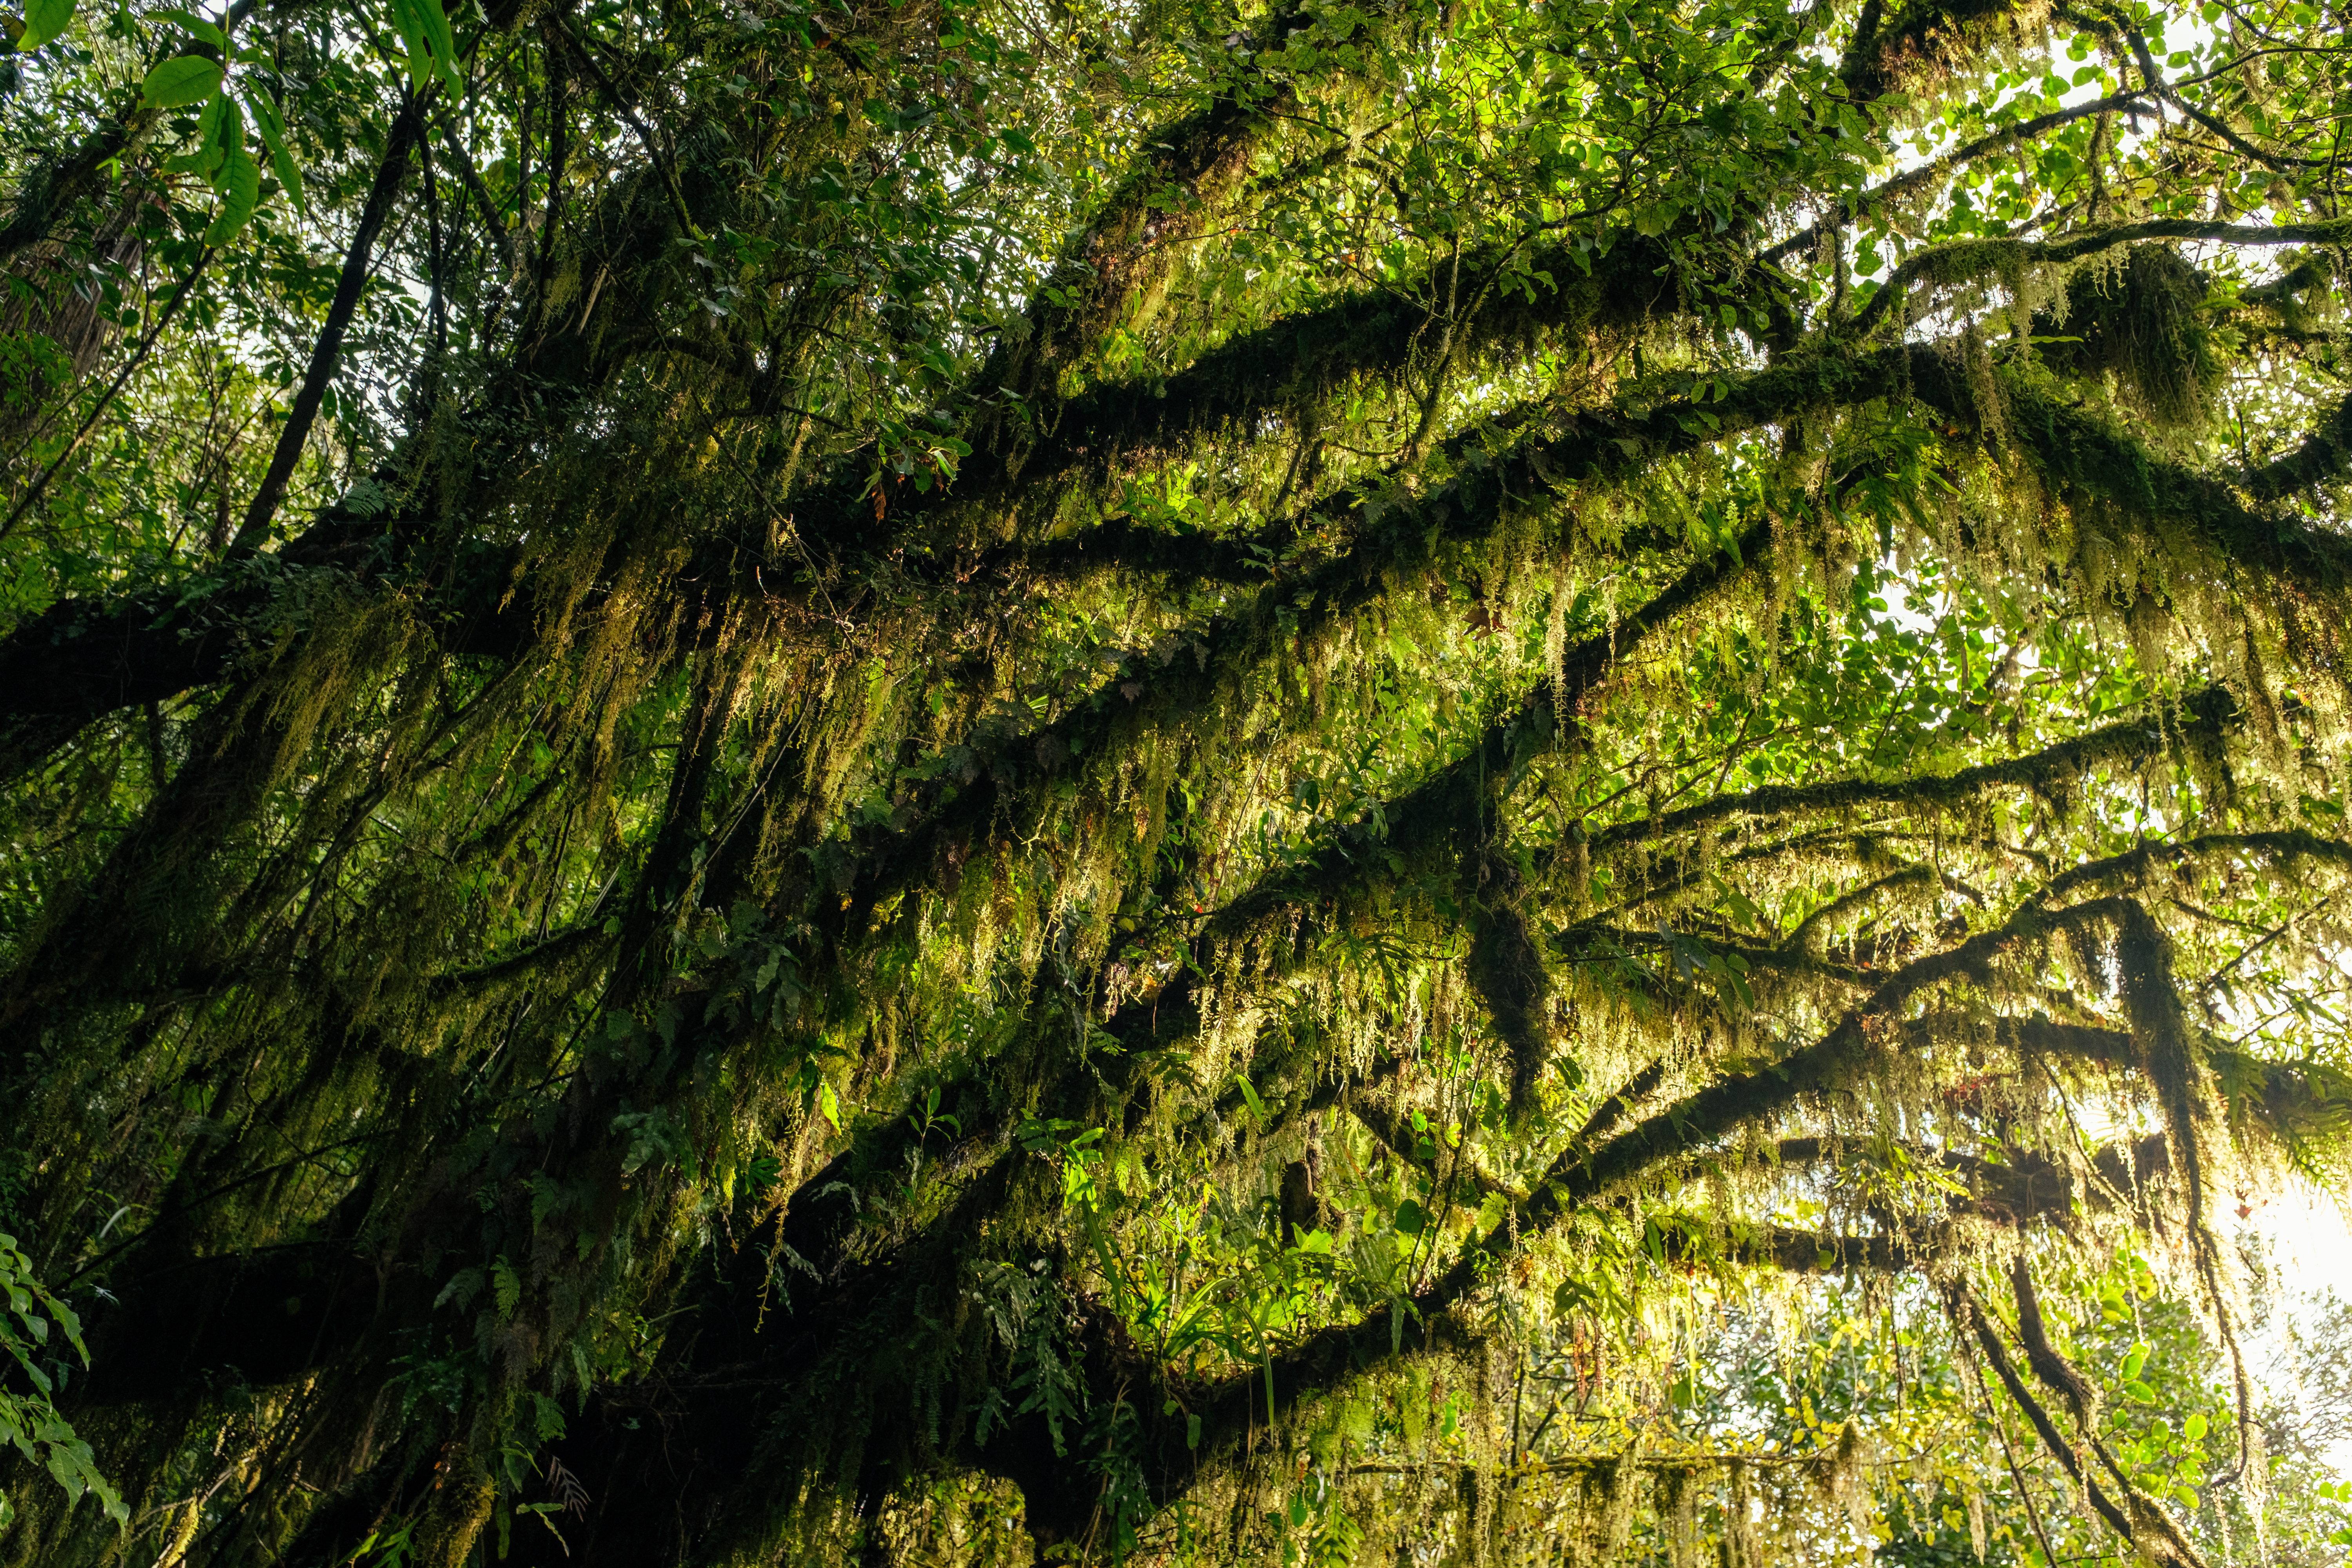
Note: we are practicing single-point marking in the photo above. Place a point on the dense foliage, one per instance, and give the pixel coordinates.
(820, 780)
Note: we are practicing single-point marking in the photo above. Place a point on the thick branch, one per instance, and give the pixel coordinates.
(2322, 456)
(2200, 719)
(48, 194)
(1974, 1319)
(2085, 460)
(1970, 259)
(1843, 212)
(1927, 36)
(1398, 541)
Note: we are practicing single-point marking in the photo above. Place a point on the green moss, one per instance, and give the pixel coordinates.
(2142, 320)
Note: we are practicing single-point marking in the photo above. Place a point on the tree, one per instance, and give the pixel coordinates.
(969, 782)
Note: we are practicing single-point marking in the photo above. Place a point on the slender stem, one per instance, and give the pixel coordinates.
(328, 351)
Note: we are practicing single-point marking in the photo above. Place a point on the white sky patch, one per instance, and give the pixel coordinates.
(2309, 1240)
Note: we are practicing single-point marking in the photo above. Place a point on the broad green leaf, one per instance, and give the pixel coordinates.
(43, 20)
(227, 122)
(196, 25)
(423, 28)
(267, 120)
(240, 189)
(215, 138)
(182, 80)
(410, 26)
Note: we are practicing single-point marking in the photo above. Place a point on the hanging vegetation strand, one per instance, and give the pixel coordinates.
(963, 783)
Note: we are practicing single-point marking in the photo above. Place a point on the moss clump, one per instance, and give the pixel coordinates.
(2142, 321)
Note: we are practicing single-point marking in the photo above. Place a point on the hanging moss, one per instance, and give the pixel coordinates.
(2142, 320)
(1176, 845)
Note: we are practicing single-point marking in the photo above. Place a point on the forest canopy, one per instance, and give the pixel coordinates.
(1006, 781)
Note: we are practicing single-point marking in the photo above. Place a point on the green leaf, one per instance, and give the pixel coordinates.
(462, 1287)
(1412, 1219)
(211, 149)
(267, 120)
(423, 29)
(224, 122)
(196, 25)
(240, 187)
(43, 20)
(182, 79)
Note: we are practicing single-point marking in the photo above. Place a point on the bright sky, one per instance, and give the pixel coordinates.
(2312, 1245)
(2312, 1240)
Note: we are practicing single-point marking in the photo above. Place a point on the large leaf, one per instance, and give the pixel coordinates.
(217, 132)
(423, 28)
(272, 126)
(195, 24)
(182, 80)
(43, 20)
(240, 189)
(224, 127)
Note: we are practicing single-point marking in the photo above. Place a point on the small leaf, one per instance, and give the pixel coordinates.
(43, 20)
(182, 79)
(462, 1289)
(1412, 1219)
